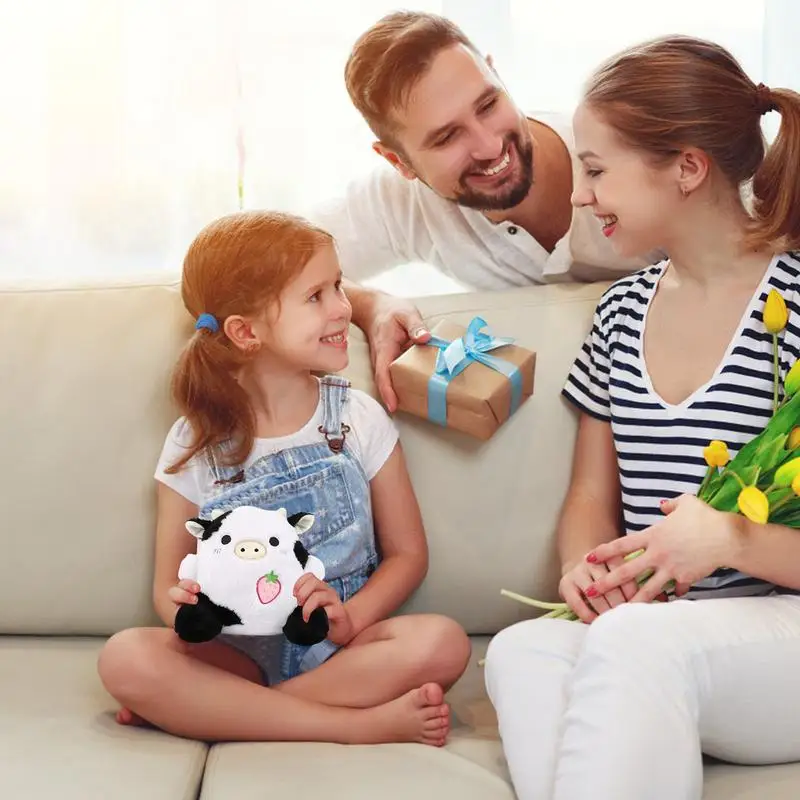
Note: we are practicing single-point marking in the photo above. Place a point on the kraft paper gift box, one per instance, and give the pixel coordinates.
(465, 378)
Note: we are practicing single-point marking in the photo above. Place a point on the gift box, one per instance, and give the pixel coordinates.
(464, 378)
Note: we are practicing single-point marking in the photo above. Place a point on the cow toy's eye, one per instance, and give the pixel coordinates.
(226, 539)
(274, 541)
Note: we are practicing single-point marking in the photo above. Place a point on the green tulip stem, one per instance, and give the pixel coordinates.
(776, 376)
(709, 472)
(738, 479)
(529, 601)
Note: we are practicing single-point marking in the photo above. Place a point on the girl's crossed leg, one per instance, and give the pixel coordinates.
(385, 686)
(623, 708)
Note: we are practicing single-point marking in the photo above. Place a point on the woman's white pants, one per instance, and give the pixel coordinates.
(622, 708)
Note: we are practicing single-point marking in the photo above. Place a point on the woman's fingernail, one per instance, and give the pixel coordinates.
(661, 502)
(419, 332)
(591, 592)
(591, 558)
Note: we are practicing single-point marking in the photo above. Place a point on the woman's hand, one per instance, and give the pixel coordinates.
(184, 593)
(577, 581)
(312, 593)
(691, 543)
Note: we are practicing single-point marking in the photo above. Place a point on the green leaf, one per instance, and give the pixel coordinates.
(760, 446)
(773, 453)
(726, 498)
(789, 513)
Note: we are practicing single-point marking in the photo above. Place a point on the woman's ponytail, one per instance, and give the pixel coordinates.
(776, 183)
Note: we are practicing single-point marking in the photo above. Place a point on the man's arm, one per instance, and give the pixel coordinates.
(390, 324)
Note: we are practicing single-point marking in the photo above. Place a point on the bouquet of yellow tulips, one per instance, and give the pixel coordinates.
(763, 481)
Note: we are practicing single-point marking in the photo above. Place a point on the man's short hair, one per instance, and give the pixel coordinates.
(390, 58)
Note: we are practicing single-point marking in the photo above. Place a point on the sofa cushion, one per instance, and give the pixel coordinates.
(58, 737)
(470, 767)
(86, 383)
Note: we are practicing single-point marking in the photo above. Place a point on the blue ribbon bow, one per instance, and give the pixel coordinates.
(454, 357)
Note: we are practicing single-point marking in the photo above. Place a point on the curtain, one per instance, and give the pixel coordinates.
(129, 125)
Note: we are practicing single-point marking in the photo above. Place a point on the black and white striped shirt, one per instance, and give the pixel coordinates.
(660, 445)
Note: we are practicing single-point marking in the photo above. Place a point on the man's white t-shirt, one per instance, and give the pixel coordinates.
(385, 220)
(371, 439)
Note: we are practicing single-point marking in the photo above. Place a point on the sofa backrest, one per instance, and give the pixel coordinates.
(84, 408)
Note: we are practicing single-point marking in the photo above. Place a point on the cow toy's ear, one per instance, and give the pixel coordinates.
(281, 511)
(197, 528)
(301, 522)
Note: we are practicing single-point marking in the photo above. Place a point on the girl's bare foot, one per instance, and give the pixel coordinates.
(420, 715)
(126, 717)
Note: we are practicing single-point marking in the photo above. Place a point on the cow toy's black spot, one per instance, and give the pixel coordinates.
(226, 539)
(301, 554)
(274, 541)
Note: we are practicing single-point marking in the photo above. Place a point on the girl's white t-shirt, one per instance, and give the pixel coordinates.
(371, 439)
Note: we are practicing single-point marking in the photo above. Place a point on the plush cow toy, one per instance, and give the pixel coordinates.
(247, 563)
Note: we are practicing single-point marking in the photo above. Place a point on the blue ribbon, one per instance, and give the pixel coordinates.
(454, 357)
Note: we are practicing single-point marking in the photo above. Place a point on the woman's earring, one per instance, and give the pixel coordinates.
(684, 191)
(252, 347)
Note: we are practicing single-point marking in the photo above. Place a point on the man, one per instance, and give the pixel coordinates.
(477, 188)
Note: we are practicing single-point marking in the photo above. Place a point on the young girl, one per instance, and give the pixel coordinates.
(678, 355)
(260, 429)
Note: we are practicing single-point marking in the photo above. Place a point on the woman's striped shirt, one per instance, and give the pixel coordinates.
(660, 445)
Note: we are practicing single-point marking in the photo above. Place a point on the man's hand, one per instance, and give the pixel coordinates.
(391, 324)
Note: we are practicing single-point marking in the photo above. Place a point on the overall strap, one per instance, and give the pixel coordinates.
(220, 472)
(333, 390)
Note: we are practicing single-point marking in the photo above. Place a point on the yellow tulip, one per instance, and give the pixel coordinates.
(716, 454)
(786, 473)
(753, 504)
(775, 313)
(792, 382)
(794, 438)
(796, 485)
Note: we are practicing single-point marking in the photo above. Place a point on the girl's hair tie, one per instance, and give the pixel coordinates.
(208, 321)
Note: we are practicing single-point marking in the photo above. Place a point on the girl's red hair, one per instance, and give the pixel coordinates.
(238, 264)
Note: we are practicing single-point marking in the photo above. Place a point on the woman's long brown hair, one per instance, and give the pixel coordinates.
(677, 92)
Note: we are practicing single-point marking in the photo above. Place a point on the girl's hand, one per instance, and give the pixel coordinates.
(185, 593)
(579, 580)
(312, 593)
(691, 543)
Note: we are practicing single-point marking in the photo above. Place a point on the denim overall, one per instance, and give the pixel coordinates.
(326, 480)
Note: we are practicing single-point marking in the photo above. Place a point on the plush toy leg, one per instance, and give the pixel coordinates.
(306, 633)
(204, 620)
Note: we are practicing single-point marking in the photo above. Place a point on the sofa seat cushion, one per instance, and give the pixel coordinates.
(58, 737)
(470, 767)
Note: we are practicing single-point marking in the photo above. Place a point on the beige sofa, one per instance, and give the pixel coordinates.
(84, 408)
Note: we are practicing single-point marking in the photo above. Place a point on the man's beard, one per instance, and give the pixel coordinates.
(508, 195)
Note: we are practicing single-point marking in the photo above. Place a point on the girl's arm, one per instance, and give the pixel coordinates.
(401, 542)
(173, 542)
(591, 514)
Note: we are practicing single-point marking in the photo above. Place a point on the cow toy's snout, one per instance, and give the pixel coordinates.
(250, 550)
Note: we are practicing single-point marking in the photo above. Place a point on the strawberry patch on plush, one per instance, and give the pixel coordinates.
(247, 563)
